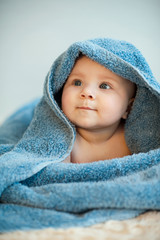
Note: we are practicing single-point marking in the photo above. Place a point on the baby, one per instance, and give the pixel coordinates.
(97, 101)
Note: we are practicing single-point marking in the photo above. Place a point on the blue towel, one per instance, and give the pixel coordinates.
(39, 190)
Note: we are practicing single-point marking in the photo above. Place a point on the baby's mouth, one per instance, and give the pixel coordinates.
(87, 108)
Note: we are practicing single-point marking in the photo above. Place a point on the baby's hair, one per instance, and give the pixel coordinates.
(80, 56)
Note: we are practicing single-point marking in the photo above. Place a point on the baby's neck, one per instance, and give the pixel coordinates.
(90, 147)
(98, 136)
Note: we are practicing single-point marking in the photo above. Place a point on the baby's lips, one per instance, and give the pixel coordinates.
(87, 108)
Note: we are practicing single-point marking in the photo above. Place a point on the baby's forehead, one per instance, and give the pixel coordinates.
(84, 63)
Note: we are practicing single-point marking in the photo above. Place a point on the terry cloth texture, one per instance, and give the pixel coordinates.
(38, 190)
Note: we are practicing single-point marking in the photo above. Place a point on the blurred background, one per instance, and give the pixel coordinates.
(35, 32)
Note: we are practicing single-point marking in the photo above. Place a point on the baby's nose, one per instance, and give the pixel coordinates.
(86, 94)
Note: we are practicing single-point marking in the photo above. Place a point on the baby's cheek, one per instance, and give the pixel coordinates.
(64, 99)
(66, 104)
(63, 105)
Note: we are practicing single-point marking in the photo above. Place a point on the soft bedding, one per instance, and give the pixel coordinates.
(146, 227)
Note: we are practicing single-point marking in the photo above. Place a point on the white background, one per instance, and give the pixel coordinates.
(34, 32)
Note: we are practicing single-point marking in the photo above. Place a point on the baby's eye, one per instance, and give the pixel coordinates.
(77, 83)
(104, 86)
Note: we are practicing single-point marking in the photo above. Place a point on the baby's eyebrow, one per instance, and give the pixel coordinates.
(105, 76)
(76, 74)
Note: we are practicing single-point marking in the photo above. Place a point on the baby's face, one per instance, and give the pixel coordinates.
(94, 97)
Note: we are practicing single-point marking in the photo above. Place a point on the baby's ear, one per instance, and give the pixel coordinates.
(130, 103)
